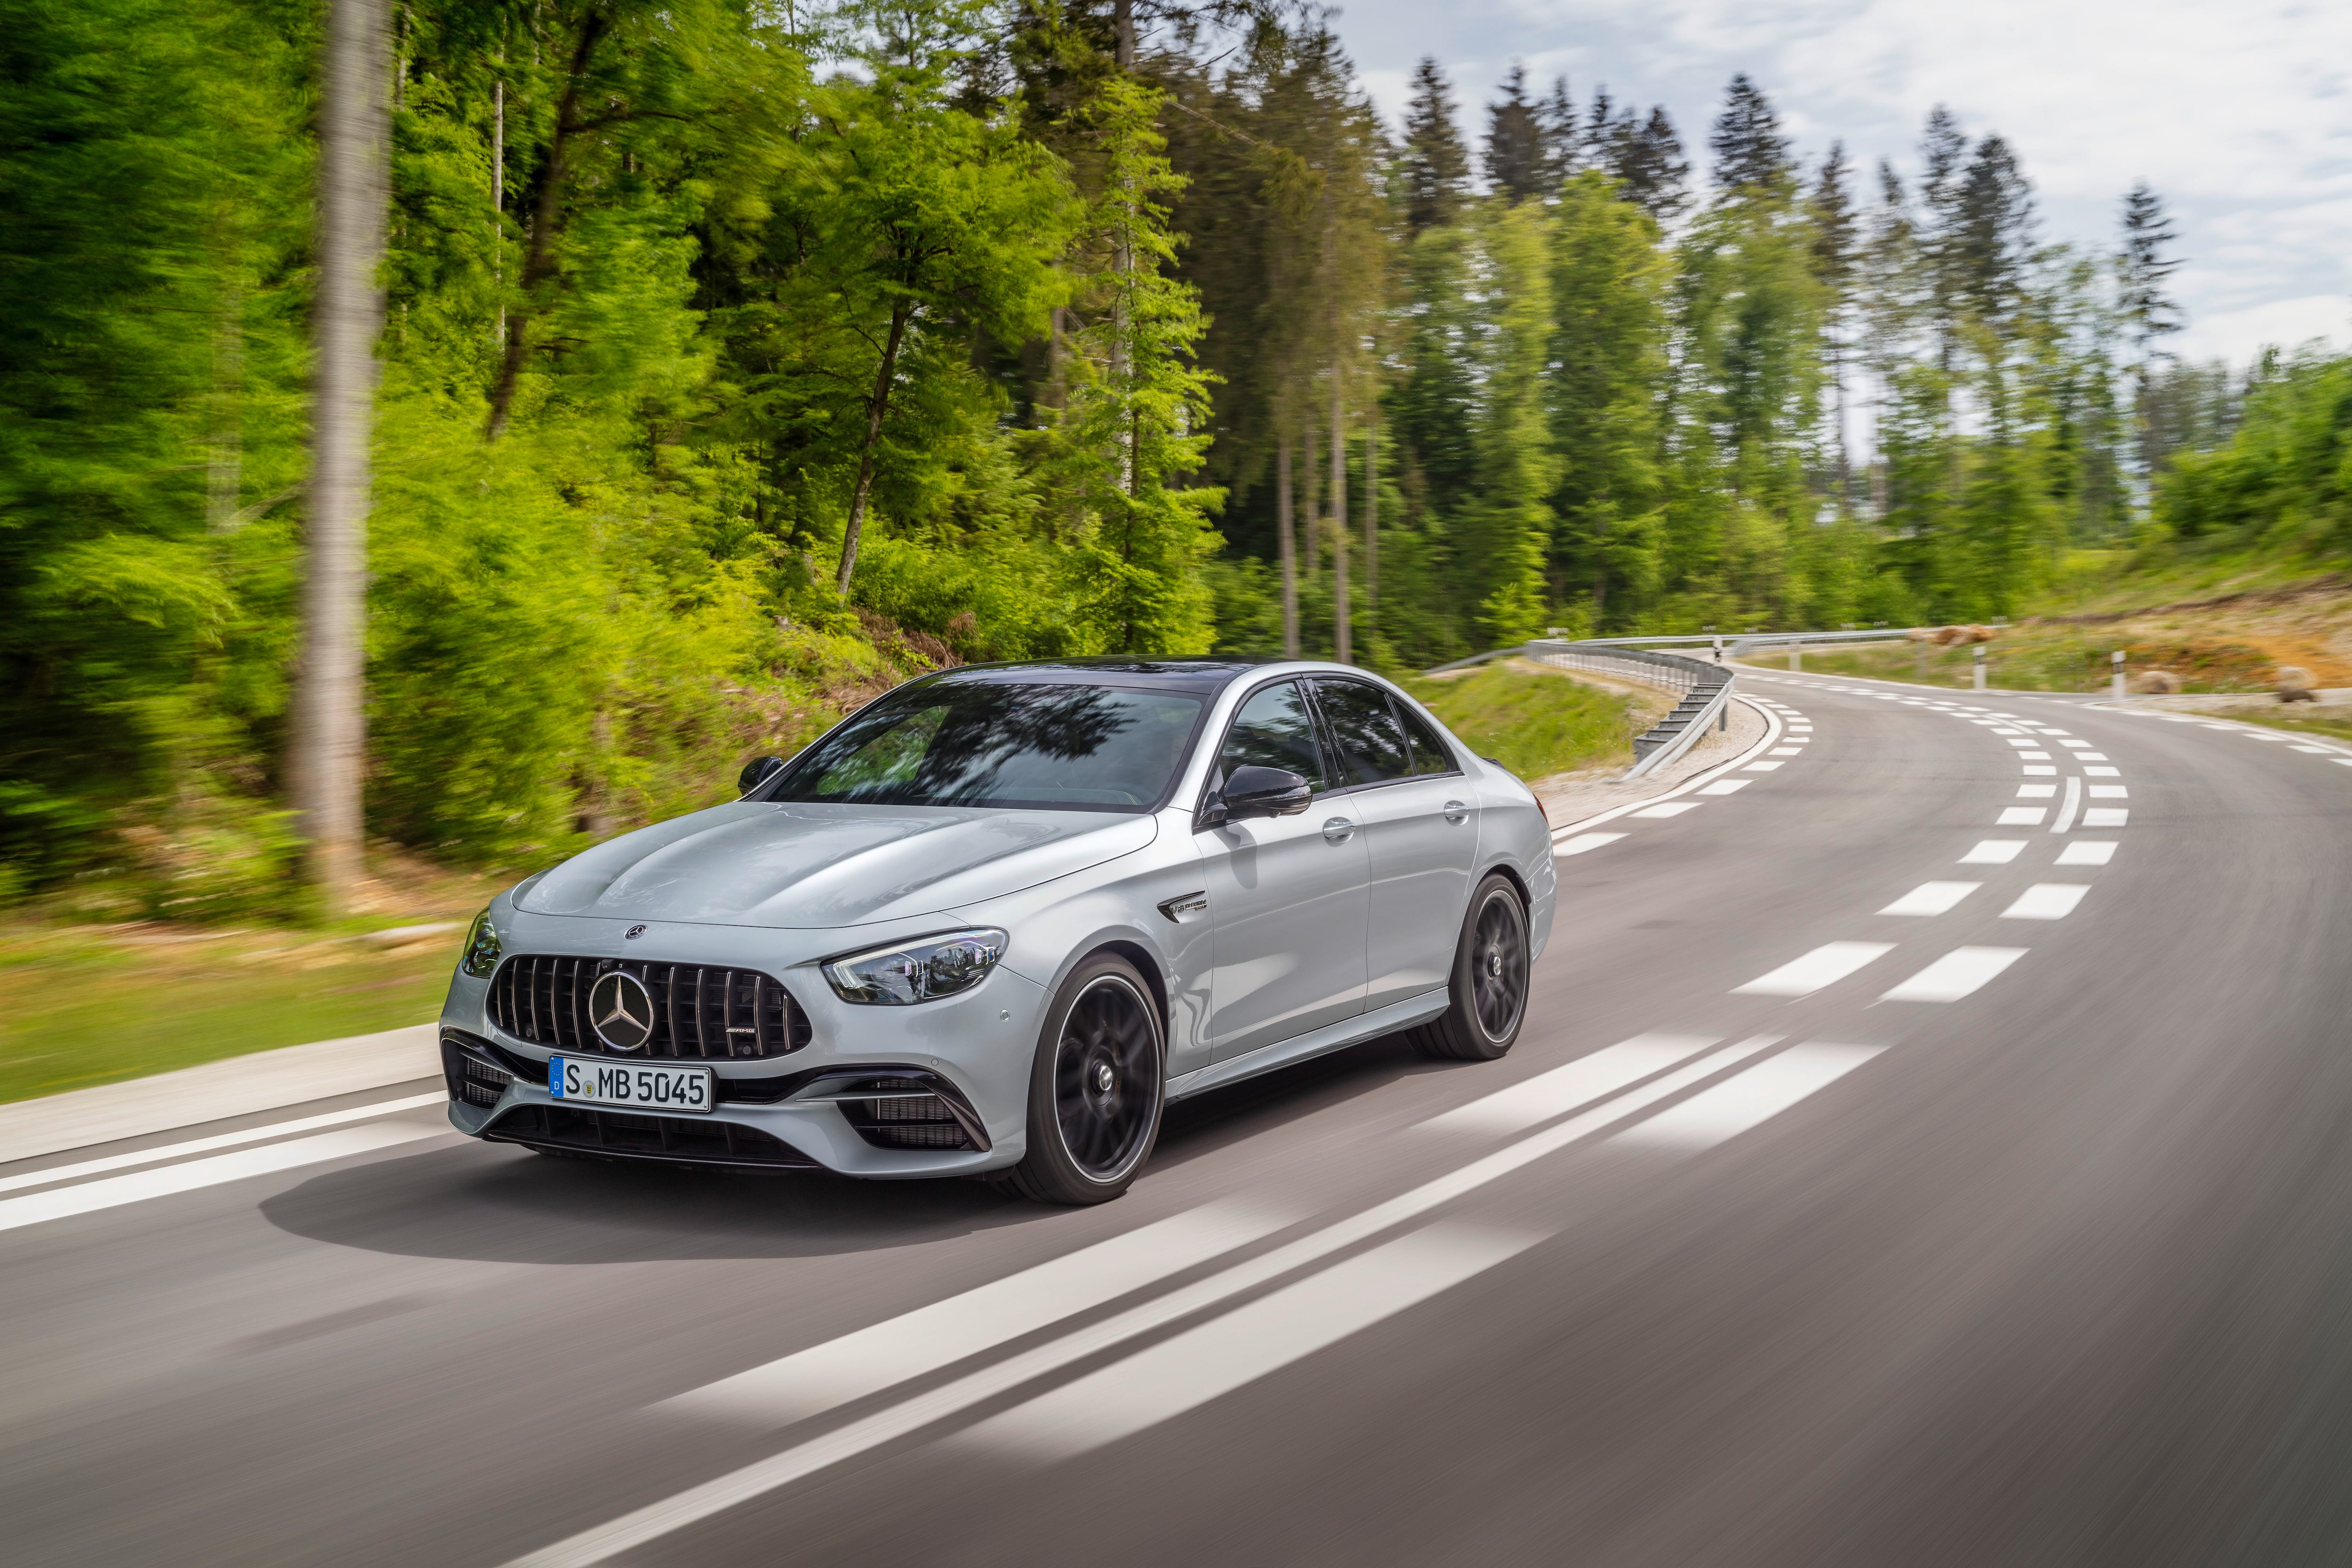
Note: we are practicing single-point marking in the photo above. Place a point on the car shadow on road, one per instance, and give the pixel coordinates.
(497, 1203)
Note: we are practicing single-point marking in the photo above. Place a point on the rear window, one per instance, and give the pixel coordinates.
(1061, 748)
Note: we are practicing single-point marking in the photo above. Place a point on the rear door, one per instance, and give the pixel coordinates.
(1288, 894)
(1421, 827)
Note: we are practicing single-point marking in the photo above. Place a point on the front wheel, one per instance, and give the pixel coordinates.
(1488, 1000)
(1096, 1089)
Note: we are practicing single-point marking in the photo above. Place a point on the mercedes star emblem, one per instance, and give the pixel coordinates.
(622, 1010)
(632, 933)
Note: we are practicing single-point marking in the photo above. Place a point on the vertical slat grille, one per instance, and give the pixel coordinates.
(699, 1012)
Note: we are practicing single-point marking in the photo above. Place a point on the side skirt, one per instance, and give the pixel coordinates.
(1346, 1032)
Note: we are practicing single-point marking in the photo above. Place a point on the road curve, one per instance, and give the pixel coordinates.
(1935, 1148)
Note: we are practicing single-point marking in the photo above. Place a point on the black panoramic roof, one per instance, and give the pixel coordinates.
(1198, 675)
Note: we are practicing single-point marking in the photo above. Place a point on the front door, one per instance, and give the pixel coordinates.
(1420, 828)
(1288, 894)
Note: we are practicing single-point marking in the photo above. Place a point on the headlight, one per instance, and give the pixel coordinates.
(921, 971)
(481, 948)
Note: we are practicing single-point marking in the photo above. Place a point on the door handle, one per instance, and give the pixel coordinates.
(1338, 829)
(1456, 812)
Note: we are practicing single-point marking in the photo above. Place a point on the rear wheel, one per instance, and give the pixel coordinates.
(1488, 1000)
(1096, 1089)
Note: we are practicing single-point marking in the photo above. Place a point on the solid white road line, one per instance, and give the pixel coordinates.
(1955, 974)
(921, 1341)
(2046, 901)
(1739, 1103)
(2107, 816)
(1584, 841)
(1225, 1353)
(1993, 852)
(2020, 816)
(1825, 965)
(2087, 852)
(115, 1191)
(1931, 899)
(2066, 811)
(1563, 1088)
(218, 1141)
(669, 1514)
(1725, 786)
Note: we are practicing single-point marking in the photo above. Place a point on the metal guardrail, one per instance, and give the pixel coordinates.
(1704, 687)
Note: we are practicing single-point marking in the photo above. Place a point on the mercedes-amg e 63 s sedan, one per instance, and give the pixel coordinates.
(992, 923)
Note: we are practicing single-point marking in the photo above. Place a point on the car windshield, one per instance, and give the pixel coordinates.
(1063, 748)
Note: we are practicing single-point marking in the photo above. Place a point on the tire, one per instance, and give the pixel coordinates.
(1096, 1089)
(1488, 1000)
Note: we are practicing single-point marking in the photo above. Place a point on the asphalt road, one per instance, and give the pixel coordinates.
(1736, 1259)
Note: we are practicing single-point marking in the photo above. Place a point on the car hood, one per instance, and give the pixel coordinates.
(801, 865)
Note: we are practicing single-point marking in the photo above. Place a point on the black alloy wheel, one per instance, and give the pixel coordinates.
(1498, 963)
(1486, 1003)
(1105, 1078)
(1098, 1088)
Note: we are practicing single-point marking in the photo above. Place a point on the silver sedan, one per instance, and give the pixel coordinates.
(994, 921)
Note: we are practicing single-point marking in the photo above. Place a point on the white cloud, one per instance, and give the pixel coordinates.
(2241, 116)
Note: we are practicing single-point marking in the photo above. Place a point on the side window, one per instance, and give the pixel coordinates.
(1430, 754)
(1372, 746)
(1273, 729)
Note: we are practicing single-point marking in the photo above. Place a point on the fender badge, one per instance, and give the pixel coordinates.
(1183, 904)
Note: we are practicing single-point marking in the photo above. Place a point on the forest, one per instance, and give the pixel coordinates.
(728, 363)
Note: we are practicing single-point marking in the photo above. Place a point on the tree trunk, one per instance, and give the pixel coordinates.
(539, 253)
(1123, 20)
(1342, 631)
(1289, 541)
(1372, 506)
(1310, 497)
(498, 194)
(354, 182)
(875, 408)
(223, 437)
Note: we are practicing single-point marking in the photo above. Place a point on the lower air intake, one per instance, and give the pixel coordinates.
(620, 1134)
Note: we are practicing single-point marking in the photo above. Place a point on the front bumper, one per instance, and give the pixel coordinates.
(800, 1109)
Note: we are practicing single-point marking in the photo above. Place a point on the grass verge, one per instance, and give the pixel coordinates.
(1534, 722)
(85, 1004)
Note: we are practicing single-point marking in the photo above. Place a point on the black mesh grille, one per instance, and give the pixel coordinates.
(622, 1133)
(911, 1116)
(699, 1013)
(472, 1080)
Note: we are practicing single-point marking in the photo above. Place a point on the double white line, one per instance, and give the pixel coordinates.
(1214, 1357)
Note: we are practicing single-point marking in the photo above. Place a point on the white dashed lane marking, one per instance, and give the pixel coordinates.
(1931, 899)
(2106, 816)
(1737, 1104)
(1563, 1088)
(1825, 965)
(1584, 841)
(1993, 852)
(2087, 852)
(1667, 808)
(2021, 816)
(1956, 974)
(2046, 901)
(1725, 786)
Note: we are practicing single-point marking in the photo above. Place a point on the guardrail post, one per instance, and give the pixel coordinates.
(1980, 667)
(1796, 658)
(2116, 659)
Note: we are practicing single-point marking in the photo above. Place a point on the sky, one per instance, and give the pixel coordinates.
(2239, 115)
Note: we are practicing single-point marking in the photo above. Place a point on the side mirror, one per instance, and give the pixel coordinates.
(757, 771)
(1265, 792)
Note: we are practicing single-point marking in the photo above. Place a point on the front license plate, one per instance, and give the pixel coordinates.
(641, 1086)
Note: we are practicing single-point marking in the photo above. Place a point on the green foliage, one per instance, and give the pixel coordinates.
(1534, 723)
(2284, 481)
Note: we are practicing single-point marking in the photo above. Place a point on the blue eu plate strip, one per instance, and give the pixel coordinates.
(555, 1077)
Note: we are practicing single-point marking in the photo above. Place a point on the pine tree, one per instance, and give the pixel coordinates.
(1650, 165)
(1563, 138)
(1433, 165)
(1836, 245)
(1750, 153)
(1991, 238)
(1515, 142)
(2143, 269)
